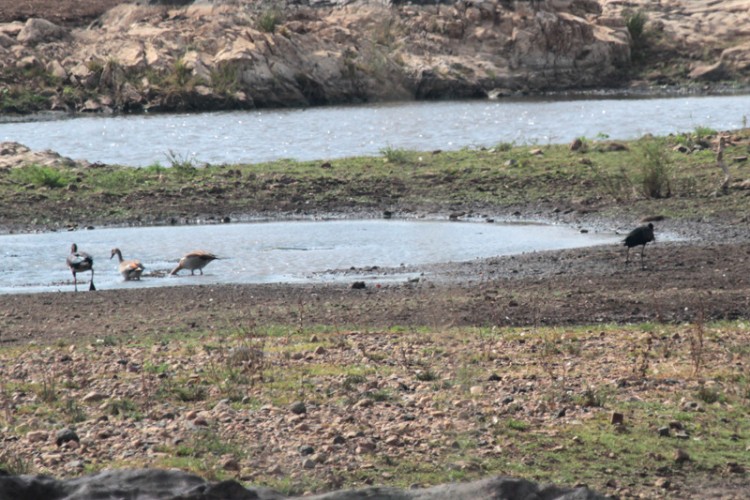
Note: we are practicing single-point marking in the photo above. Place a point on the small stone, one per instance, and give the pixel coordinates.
(308, 463)
(230, 463)
(71, 445)
(275, 470)
(664, 431)
(298, 408)
(681, 456)
(306, 450)
(339, 439)
(365, 447)
(93, 397)
(37, 436)
(65, 435)
(735, 468)
(200, 421)
(75, 464)
(476, 390)
(359, 285)
(617, 418)
(663, 483)
(320, 350)
(393, 441)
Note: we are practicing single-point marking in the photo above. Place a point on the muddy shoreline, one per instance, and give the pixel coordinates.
(702, 274)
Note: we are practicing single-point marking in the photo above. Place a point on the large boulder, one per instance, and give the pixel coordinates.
(142, 484)
(40, 30)
(13, 155)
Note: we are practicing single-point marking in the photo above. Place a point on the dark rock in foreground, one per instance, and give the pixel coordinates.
(142, 484)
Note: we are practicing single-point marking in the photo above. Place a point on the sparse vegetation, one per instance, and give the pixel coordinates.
(396, 155)
(41, 176)
(455, 422)
(648, 171)
(635, 21)
(268, 20)
(655, 173)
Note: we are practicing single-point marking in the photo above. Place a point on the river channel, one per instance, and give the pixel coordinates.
(327, 133)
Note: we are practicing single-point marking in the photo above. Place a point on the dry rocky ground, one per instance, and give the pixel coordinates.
(479, 368)
(499, 366)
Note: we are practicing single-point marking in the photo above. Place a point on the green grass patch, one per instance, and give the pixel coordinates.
(41, 176)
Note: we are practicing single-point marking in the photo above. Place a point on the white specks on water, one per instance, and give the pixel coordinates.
(272, 252)
(341, 131)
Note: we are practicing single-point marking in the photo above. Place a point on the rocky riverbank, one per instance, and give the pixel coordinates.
(235, 55)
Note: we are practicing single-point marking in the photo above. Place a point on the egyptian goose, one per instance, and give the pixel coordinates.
(80, 262)
(130, 269)
(197, 259)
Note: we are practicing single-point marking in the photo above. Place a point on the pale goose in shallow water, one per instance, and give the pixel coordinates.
(197, 259)
(130, 269)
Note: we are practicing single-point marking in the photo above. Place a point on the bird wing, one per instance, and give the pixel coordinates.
(201, 254)
(131, 265)
(79, 259)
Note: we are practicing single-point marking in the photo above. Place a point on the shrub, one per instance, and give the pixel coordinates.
(636, 25)
(656, 170)
(41, 176)
(268, 20)
(702, 132)
(395, 155)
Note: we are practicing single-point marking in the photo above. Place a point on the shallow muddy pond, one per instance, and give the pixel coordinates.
(273, 252)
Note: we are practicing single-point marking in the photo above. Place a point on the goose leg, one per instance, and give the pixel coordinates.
(643, 249)
(91, 283)
(75, 281)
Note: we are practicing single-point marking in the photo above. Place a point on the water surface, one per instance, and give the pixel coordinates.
(273, 252)
(342, 131)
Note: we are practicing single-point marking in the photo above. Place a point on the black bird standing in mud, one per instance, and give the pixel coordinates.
(639, 236)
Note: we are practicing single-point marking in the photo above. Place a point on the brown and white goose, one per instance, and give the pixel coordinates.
(197, 259)
(130, 269)
(80, 262)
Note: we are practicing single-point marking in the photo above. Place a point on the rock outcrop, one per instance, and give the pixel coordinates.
(178, 55)
(709, 40)
(13, 154)
(171, 484)
(139, 57)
